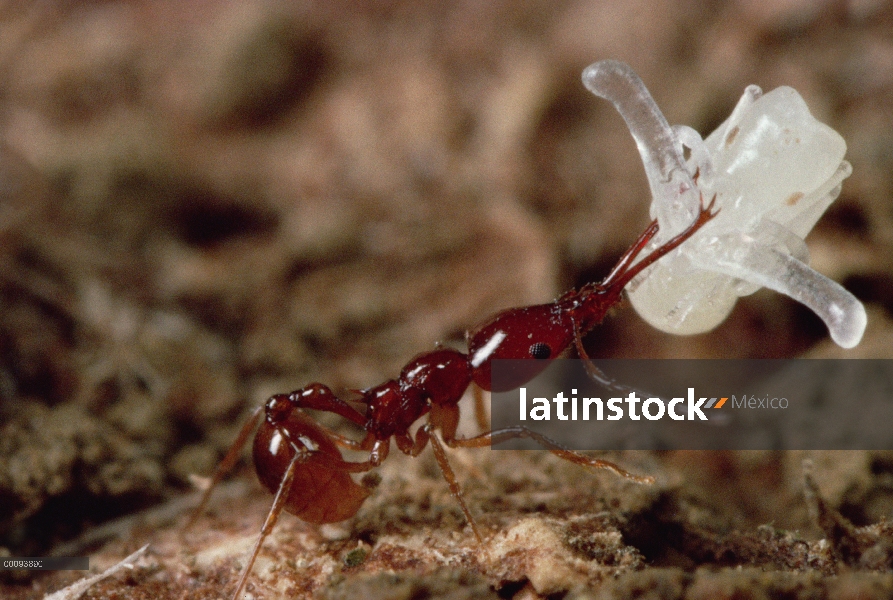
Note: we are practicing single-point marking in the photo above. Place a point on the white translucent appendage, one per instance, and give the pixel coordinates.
(774, 170)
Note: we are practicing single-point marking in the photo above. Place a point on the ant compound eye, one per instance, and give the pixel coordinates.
(540, 351)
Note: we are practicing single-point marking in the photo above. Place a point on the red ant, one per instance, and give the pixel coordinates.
(298, 460)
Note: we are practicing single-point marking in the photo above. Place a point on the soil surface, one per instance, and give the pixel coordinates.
(206, 202)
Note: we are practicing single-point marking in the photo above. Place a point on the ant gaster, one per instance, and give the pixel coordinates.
(298, 460)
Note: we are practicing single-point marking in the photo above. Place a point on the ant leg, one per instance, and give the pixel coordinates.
(622, 278)
(272, 516)
(414, 447)
(444, 418)
(319, 397)
(377, 454)
(481, 415)
(598, 376)
(423, 435)
(500, 435)
(232, 455)
(349, 443)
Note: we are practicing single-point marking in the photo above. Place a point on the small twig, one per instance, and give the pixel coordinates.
(842, 534)
(77, 589)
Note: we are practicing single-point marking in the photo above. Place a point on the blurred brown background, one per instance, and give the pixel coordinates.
(205, 202)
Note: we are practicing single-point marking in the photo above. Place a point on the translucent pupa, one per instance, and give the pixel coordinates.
(773, 169)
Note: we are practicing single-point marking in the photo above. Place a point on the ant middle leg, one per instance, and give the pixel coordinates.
(423, 435)
(501, 435)
(481, 415)
(450, 476)
(446, 420)
(519, 432)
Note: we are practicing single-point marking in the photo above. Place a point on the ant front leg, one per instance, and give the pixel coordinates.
(599, 376)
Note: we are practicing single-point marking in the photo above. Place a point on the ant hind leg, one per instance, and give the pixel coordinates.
(270, 521)
(226, 465)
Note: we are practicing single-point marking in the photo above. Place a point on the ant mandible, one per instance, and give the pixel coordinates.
(298, 460)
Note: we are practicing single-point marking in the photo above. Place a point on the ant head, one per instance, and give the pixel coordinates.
(277, 409)
(541, 332)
